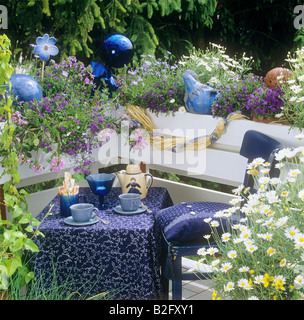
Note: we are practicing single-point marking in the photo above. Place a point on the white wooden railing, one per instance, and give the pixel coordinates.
(220, 162)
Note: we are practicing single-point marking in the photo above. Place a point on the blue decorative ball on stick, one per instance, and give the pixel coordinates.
(117, 50)
(25, 88)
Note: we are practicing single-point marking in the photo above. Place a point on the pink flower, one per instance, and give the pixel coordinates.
(57, 164)
(139, 139)
(37, 168)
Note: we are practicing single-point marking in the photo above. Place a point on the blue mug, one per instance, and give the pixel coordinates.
(82, 212)
(67, 200)
(129, 201)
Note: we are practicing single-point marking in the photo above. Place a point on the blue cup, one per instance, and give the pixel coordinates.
(66, 201)
(129, 201)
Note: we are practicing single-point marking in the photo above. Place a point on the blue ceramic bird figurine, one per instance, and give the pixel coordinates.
(198, 97)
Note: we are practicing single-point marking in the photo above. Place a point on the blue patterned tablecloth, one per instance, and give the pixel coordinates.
(121, 258)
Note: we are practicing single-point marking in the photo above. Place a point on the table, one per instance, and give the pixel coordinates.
(121, 258)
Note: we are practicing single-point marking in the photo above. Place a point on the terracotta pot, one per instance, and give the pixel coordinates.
(271, 80)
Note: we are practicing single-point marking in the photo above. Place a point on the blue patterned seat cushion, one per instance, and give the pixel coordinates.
(183, 223)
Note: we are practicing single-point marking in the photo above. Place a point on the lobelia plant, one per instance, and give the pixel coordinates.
(154, 85)
(235, 95)
(265, 102)
(261, 256)
(67, 120)
(249, 95)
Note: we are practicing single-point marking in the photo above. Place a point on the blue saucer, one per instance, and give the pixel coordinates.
(119, 210)
(71, 222)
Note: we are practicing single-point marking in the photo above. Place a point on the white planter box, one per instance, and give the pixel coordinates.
(220, 162)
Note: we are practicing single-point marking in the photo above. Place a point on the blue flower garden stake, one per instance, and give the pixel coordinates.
(45, 47)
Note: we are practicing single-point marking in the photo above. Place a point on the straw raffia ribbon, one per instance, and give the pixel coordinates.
(177, 144)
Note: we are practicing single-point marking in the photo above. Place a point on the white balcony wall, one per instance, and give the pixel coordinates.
(220, 162)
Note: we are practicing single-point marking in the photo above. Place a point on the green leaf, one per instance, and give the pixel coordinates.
(29, 228)
(29, 277)
(26, 218)
(16, 245)
(12, 265)
(36, 142)
(31, 246)
(17, 212)
(35, 222)
(3, 277)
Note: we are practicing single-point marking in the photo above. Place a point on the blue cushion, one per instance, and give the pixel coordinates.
(183, 223)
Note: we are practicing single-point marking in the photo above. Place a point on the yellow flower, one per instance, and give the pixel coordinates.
(279, 284)
(253, 172)
(214, 296)
(266, 280)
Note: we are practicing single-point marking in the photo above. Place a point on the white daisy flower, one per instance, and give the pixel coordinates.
(238, 190)
(214, 263)
(291, 232)
(299, 240)
(243, 283)
(251, 248)
(271, 251)
(202, 252)
(301, 194)
(232, 254)
(299, 281)
(229, 286)
(300, 136)
(226, 267)
(283, 263)
(258, 279)
(226, 236)
(244, 269)
(281, 221)
(214, 223)
(294, 172)
(211, 251)
(245, 235)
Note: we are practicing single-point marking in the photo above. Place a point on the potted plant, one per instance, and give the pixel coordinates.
(249, 95)
(67, 120)
(158, 85)
(154, 85)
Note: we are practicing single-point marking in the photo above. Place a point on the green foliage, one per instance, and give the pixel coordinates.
(154, 85)
(262, 28)
(16, 238)
(293, 91)
(81, 25)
